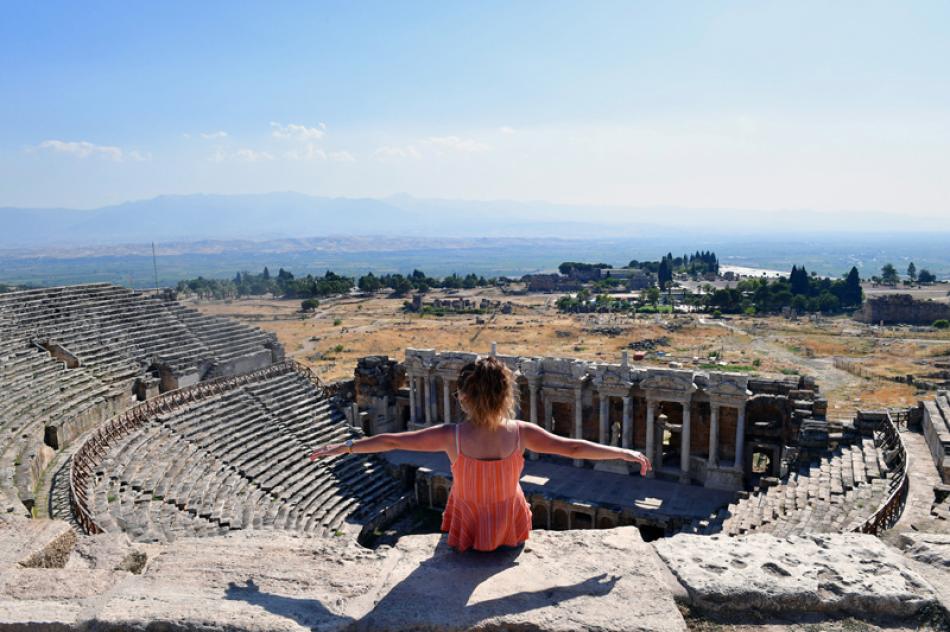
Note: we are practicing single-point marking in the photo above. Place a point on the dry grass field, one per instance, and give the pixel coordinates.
(853, 363)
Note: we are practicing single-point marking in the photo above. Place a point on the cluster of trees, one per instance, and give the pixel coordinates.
(889, 275)
(573, 267)
(800, 291)
(283, 284)
(420, 282)
(696, 264)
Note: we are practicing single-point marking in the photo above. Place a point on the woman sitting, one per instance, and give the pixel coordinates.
(486, 507)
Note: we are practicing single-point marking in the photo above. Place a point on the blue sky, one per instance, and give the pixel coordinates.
(765, 105)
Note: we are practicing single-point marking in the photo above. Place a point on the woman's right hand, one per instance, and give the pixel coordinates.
(638, 457)
(332, 449)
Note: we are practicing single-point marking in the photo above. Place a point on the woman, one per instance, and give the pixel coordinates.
(486, 507)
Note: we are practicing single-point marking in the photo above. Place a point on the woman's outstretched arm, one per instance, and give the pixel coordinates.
(538, 439)
(434, 439)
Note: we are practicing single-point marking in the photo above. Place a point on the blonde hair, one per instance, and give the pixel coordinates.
(487, 387)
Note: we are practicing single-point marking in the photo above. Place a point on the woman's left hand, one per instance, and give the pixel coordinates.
(332, 449)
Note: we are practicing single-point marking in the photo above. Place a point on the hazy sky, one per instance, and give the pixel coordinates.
(750, 105)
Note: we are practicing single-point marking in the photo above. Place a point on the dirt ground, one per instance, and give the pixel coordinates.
(854, 364)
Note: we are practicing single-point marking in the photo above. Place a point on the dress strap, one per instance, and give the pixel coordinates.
(458, 450)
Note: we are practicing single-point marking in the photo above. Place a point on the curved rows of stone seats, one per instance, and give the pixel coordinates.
(856, 487)
(71, 357)
(230, 454)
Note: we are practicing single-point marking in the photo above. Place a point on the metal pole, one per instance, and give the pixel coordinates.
(155, 265)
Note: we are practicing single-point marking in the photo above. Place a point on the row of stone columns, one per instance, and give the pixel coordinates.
(423, 410)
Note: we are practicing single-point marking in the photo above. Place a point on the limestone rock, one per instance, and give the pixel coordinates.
(929, 548)
(850, 574)
(107, 551)
(568, 580)
(35, 543)
(257, 581)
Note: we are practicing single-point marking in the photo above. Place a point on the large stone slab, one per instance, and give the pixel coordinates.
(275, 581)
(34, 543)
(850, 574)
(932, 549)
(568, 580)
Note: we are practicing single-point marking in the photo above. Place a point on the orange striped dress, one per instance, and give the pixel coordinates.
(486, 507)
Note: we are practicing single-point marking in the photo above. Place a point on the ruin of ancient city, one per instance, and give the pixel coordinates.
(549, 316)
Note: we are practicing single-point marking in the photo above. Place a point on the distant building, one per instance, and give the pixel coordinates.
(550, 283)
(636, 278)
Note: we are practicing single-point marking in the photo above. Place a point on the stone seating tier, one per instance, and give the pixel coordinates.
(238, 460)
(117, 336)
(834, 493)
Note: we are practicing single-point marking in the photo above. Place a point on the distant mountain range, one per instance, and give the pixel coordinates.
(268, 216)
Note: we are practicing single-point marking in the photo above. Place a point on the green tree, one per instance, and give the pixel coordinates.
(828, 303)
(889, 274)
(798, 281)
(369, 283)
(912, 272)
(400, 285)
(309, 304)
(853, 295)
(653, 295)
(926, 276)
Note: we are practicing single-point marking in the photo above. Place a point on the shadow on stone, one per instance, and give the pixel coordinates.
(437, 594)
(306, 612)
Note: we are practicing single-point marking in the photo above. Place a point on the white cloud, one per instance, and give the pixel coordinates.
(243, 155)
(504, 129)
(250, 155)
(85, 149)
(388, 151)
(139, 156)
(212, 135)
(297, 132)
(341, 156)
(455, 143)
(312, 152)
(308, 152)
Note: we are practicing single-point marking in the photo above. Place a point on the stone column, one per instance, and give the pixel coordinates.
(627, 423)
(446, 401)
(740, 438)
(651, 437)
(412, 399)
(713, 435)
(548, 415)
(533, 401)
(604, 419)
(578, 421)
(422, 410)
(427, 389)
(533, 413)
(684, 444)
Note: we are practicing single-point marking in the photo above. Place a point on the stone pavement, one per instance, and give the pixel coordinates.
(651, 498)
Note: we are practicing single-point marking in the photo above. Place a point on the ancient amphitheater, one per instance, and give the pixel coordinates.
(154, 475)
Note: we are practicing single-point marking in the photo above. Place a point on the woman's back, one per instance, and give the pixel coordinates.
(486, 507)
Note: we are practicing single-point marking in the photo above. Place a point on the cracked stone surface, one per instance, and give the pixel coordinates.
(829, 573)
(256, 581)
